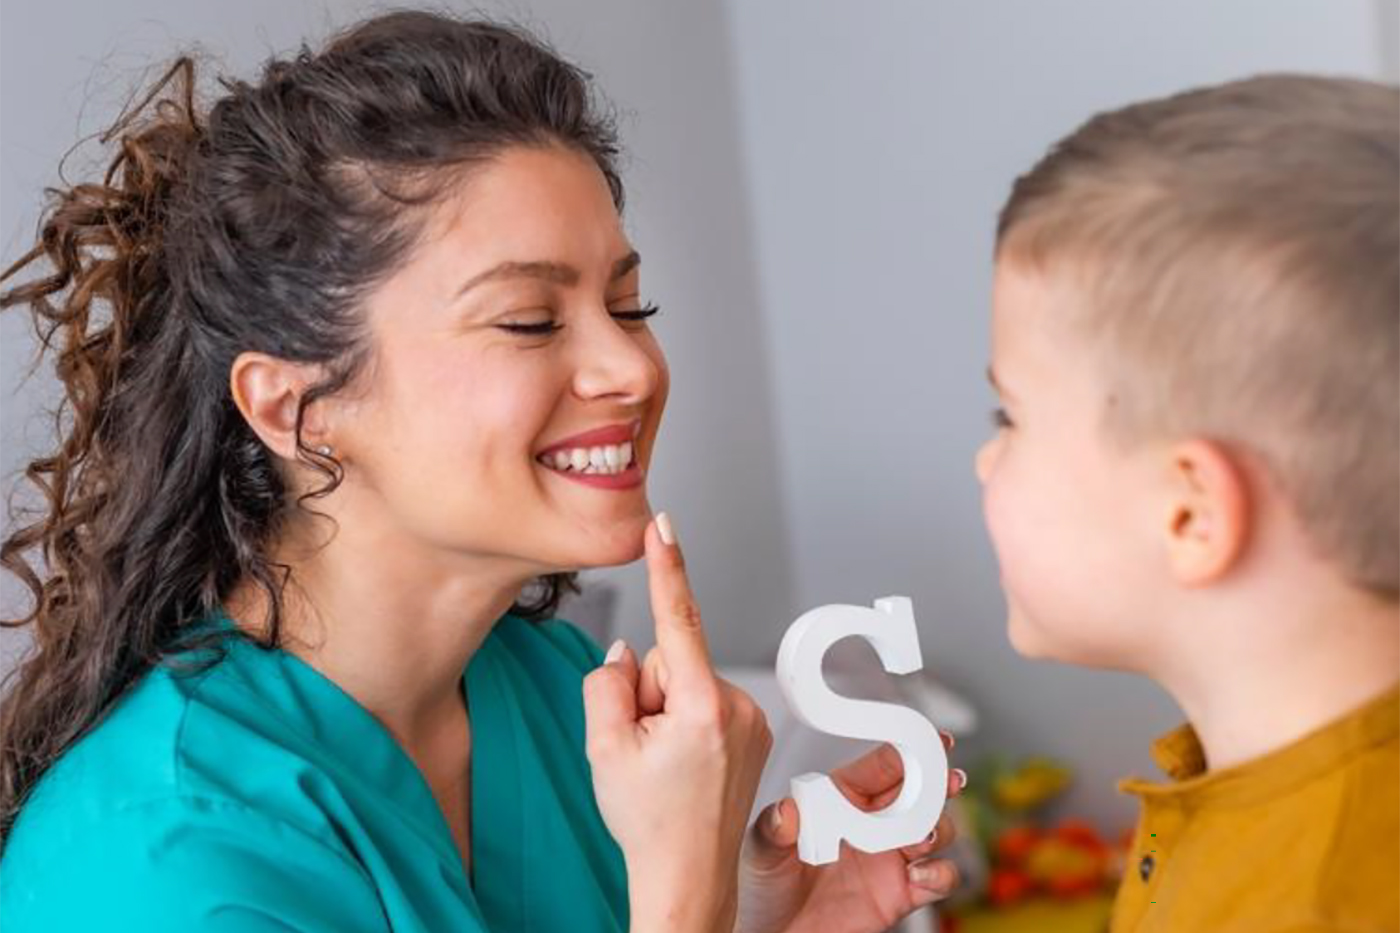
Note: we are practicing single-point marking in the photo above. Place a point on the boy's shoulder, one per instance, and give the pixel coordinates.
(1306, 837)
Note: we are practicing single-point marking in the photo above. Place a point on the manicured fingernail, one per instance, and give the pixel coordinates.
(615, 652)
(777, 820)
(948, 738)
(927, 874)
(667, 531)
(962, 778)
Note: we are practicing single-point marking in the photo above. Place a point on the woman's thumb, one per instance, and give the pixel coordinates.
(610, 700)
(773, 838)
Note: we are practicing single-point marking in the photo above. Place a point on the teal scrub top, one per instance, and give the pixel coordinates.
(259, 796)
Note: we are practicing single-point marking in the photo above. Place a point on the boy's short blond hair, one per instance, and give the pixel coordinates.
(1239, 252)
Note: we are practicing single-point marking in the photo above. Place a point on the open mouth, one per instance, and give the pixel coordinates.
(605, 460)
(608, 451)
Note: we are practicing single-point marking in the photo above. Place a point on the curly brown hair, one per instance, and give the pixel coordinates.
(258, 225)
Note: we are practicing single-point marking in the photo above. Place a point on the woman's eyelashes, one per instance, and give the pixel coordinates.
(550, 327)
(637, 316)
(542, 329)
(1000, 419)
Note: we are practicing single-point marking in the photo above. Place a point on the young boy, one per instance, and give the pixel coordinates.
(1196, 477)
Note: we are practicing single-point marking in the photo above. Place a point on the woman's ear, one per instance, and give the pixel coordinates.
(267, 390)
(1209, 514)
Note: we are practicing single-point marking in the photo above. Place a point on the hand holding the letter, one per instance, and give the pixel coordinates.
(676, 755)
(862, 892)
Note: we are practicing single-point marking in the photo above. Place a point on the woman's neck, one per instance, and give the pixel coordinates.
(391, 623)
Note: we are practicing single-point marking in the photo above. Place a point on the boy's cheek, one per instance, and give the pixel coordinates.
(999, 516)
(1030, 570)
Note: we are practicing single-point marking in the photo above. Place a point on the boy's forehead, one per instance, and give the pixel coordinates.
(1029, 303)
(1032, 310)
(1038, 289)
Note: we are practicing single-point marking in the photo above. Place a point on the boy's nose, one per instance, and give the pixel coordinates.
(982, 461)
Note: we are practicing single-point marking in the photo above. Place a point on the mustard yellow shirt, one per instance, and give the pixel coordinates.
(1305, 839)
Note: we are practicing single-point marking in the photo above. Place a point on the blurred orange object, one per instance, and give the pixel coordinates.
(1007, 886)
(1015, 844)
(1068, 861)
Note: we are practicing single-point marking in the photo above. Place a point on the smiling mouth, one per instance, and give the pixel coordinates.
(600, 460)
(602, 452)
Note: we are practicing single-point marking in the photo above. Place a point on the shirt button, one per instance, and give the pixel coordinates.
(1145, 867)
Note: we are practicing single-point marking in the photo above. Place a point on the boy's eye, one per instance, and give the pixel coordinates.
(641, 314)
(1000, 420)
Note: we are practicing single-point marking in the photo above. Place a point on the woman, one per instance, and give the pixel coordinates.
(358, 374)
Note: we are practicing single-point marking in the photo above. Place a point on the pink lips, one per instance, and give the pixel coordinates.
(629, 478)
(598, 437)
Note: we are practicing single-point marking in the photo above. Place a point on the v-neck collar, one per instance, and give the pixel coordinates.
(498, 833)
(363, 747)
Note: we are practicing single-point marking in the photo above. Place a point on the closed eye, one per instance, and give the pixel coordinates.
(1001, 420)
(543, 329)
(549, 328)
(641, 314)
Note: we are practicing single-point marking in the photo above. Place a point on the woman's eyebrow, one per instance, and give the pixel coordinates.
(626, 264)
(556, 272)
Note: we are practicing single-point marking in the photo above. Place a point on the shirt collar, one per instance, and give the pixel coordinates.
(1180, 754)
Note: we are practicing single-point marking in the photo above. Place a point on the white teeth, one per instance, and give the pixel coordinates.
(607, 460)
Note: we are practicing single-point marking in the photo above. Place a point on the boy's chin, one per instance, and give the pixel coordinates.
(1038, 643)
(1023, 637)
(1032, 641)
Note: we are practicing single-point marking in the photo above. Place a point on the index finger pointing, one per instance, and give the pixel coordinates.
(680, 636)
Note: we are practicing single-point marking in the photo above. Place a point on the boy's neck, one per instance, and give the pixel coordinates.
(1250, 687)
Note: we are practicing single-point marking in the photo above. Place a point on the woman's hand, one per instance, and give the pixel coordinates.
(676, 755)
(862, 892)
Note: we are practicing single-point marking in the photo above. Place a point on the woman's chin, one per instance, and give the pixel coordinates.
(620, 544)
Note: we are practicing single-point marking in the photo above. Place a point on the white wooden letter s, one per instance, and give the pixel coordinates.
(826, 817)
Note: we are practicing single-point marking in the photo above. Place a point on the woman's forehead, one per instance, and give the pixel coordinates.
(530, 205)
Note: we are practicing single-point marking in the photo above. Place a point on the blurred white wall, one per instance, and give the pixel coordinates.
(880, 143)
(813, 185)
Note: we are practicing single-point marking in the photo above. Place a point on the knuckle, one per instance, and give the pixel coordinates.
(598, 746)
(711, 711)
(593, 682)
(686, 612)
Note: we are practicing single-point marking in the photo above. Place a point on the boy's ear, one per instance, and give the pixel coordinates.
(1209, 512)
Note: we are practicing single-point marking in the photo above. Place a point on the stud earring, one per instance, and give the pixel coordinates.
(324, 450)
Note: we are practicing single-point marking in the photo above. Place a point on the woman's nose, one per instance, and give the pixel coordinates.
(613, 362)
